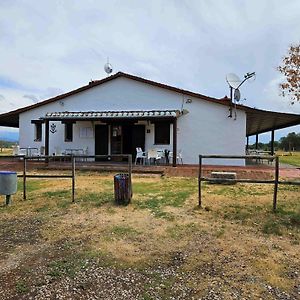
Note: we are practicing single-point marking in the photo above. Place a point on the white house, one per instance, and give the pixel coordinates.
(121, 112)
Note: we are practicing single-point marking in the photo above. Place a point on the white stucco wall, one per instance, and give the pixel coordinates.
(206, 129)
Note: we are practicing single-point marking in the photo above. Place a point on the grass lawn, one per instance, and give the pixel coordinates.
(6, 151)
(291, 158)
(161, 246)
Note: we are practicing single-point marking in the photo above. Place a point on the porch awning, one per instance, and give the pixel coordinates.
(133, 114)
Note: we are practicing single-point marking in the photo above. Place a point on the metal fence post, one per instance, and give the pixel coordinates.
(73, 178)
(276, 180)
(199, 180)
(130, 172)
(24, 177)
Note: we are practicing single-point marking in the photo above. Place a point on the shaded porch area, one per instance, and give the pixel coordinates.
(120, 132)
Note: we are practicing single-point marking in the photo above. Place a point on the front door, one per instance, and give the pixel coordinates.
(138, 139)
(126, 138)
(101, 140)
(116, 139)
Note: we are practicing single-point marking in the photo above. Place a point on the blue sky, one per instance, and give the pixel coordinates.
(50, 47)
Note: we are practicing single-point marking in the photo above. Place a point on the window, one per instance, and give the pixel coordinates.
(38, 132)
(68, 132)
(162, 133)
(86, 132)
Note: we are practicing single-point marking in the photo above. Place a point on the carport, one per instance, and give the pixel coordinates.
(261, 121)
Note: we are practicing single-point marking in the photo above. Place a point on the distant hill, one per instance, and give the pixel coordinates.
(9, 136)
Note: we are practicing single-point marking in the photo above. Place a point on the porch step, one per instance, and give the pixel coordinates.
(222, 177)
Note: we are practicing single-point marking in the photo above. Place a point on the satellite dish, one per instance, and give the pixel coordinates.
(108, 68)
(237, 95)
(233, 80)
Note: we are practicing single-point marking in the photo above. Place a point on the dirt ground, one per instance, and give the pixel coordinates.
(161, 246)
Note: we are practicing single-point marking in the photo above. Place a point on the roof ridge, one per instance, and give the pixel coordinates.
(109, 78)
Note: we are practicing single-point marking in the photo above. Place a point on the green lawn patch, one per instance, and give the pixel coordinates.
(290, 158)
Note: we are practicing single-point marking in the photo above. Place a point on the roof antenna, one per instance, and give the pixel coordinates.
(234, 83)
(108, 67)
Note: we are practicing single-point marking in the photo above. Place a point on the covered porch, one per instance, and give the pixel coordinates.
(117, 132)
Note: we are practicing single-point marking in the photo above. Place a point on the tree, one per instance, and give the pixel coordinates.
(290, 142)
(290, 68)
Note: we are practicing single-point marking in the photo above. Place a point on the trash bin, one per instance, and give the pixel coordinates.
(123, 191)
(8, 184)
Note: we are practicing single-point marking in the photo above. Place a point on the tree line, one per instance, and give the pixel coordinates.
(6, 144)
(291, 142)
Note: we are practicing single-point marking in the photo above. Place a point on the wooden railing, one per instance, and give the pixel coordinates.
(47, 159)
(274, 181)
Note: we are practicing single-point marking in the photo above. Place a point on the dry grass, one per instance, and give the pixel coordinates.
(6, 151)
(235, 240)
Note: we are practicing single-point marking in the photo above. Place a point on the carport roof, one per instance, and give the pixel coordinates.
(260, 121)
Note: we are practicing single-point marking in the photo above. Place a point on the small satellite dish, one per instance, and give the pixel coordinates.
(233, 80)
(237, 95)
(108, 68)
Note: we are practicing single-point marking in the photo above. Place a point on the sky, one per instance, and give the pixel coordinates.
(51, 47)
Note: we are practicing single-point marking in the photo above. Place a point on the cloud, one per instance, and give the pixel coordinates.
(272, 98)
(34, 98)
(50, 92)
(188, 44)
(6, 82)
(44, 94)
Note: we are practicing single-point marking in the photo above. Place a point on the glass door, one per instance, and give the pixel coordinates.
(116, 139)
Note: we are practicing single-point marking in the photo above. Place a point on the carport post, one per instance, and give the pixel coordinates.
(256, 141)
(272, 141)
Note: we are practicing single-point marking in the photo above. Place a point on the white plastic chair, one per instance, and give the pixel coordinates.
(16, 150)
(140, 155)
(178, 158)
(34, 152)
(154, 155)
(57, 151)
(22, 151)
(85, 151)
(160, 154)
(42, 150)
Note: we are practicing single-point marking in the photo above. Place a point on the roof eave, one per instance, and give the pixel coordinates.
(104, 80)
